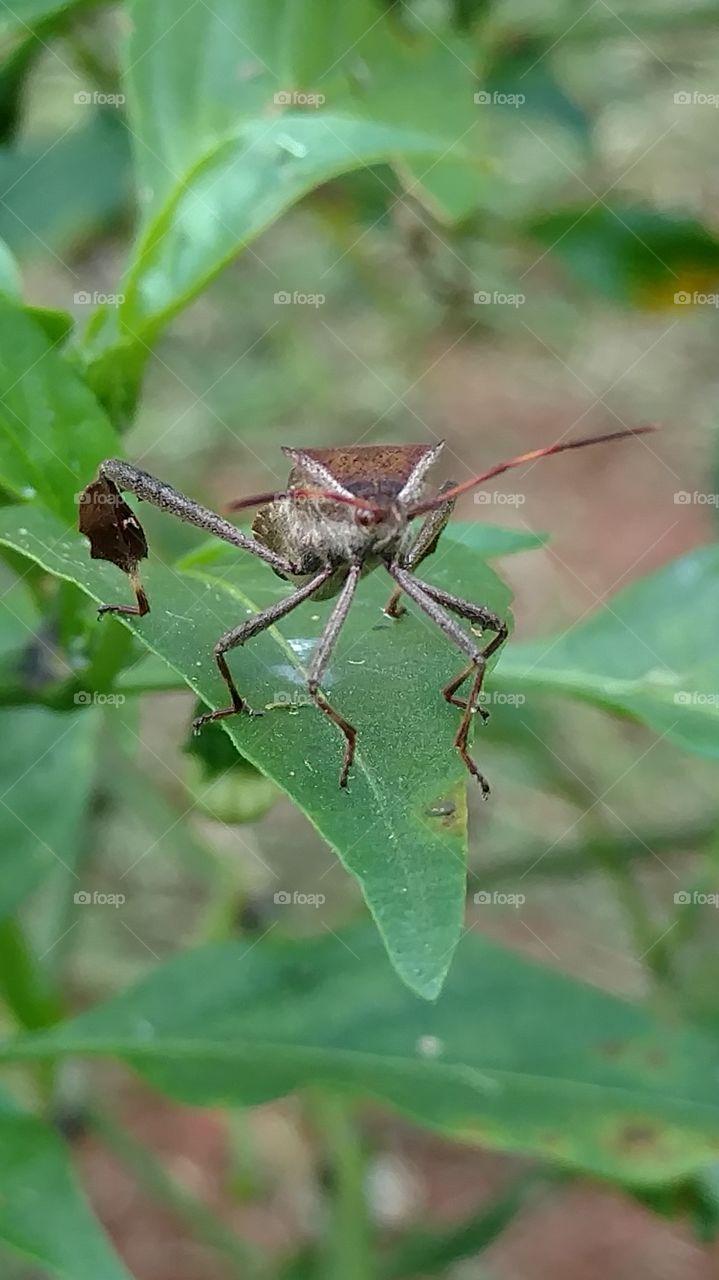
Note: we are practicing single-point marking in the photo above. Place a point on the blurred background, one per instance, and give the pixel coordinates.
(574, 290)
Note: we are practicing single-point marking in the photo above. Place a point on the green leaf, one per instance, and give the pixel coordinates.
(44, 1216)
(219, 158)
(247, 60)
(513, 1056)
(522, 67)
(429, 80)
(490, 540)
(10, 282)
(237, 190)
(631, 254)
(401, 826)
(47, 762)
(60, 192)
(25, 13)
(651, 652)
(52, 432)
(56, 324)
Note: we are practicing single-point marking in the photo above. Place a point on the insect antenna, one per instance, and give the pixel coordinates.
(323, 495)
(448, 494)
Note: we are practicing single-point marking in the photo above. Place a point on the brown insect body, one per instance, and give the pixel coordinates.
(345, 512)
(315, 533)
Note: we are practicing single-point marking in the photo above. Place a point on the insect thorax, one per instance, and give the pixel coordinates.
(314, 535)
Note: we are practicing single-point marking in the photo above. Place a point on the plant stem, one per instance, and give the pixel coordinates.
(582, 855)
(347, 1247)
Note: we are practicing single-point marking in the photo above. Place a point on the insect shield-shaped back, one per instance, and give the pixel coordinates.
(378, 472)
(114, 533)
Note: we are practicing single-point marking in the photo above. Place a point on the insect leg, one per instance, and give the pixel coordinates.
(424, 544)
(149, 489)
(438, 612)
(245, 631)
(115, 534)
(320, 660)
(481, 617)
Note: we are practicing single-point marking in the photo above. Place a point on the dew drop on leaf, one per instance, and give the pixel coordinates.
(429, 1047)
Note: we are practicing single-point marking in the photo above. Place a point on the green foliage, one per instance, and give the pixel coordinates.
(651, 653)
(574, 1074)
(394, 131)
(46, 763)
(63, 1237)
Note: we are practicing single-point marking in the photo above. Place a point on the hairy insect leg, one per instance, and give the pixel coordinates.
(130, 610)
(320, 661)
(148, 488)
(479, 616)
(239, 635)
(438, 612)
(423, 545)
(393, 608)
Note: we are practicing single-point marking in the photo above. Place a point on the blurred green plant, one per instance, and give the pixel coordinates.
(283, 102)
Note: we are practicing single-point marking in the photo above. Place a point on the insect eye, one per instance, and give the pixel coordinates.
(365, 519)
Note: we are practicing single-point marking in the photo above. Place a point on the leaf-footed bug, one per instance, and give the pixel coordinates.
(345, 511)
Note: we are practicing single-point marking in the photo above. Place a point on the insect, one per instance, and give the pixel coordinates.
(345, 512)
